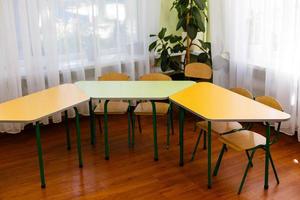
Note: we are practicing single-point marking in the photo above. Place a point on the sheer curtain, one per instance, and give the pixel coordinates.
(44, 43)
(256, 44)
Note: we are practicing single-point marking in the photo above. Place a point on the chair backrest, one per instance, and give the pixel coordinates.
(155, 77)
(242, 91)
(198, 70)
(113, 76)
(269, 101)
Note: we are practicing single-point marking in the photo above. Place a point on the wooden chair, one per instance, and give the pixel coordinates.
(145, 108)
(249, 141)
(114, 107)
(198, 71)
(220, 128)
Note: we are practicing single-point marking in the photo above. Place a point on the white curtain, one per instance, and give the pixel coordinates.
(44, 43)
(256, 44)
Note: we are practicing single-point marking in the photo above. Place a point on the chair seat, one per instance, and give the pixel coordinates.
(219, 127)
(113, 107)
(145, 108)
(243, 140)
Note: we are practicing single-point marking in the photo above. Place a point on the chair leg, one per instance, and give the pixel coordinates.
(67, 131)
(248, 156)
(224, 147)
(129, 127)
(246, 171)
(171, 118)
(274, 169)
(100, 125)
(139, 123)
(196, 145)
(133, 126)
(204, 141)
(168, 130)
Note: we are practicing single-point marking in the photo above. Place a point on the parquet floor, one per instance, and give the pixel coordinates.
(132, 173)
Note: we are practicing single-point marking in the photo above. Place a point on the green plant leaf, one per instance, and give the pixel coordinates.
(202, 57)
(152, 35)
(192, 31)
(165, 60)
(175, 39)
(162, 33)
(198, 19)
(200, 3)
(205, 45)
(180, 24)
(152, 45)
(167, 38)
(174, 65)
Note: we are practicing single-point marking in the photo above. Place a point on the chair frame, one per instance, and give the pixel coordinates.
(248, 126)
(250, 157)
(170, 123)
(106, 102)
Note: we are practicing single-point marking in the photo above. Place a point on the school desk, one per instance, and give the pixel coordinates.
(36, 106)
(214, 103)
(129, 91)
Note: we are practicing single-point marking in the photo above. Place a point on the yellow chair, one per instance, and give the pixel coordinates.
(249, 141)
(145, 108)
(198, 71)
(114, 107)
(220, 128)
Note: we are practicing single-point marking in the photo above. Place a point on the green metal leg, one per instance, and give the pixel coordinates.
(219, 160)
(106, 131)
(246, 171)
(274, 169)
(196, 146)
(139, 123)
(181, 142)
(204, 140)
(168, 129)
(40, 154)
(67, 131)
(92, 122)
(209, 155)
(99, 123)
(267, 154)
(171, 117)
(129, 125)
(154, 131)
(248, 156)
(78, 138)
(133, 125)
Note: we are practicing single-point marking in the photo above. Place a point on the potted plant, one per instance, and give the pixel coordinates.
(192, 17)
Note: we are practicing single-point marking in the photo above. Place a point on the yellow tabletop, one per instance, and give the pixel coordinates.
(35, 106)
(215, 103)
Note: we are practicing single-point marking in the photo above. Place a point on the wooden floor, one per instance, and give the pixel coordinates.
(132, 173)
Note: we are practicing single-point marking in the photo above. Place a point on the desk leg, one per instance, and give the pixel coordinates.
(129, 118)
(209, 155)
(67, 131)
(267, 156)
(106, 131)
(78, 138)
(171, 117)
(40, 154)
(181, 142)
(92, 122)
(154, 130)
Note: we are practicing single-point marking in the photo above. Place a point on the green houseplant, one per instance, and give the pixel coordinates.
(192, 17)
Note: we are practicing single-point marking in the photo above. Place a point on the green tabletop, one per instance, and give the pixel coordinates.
(132, 90)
